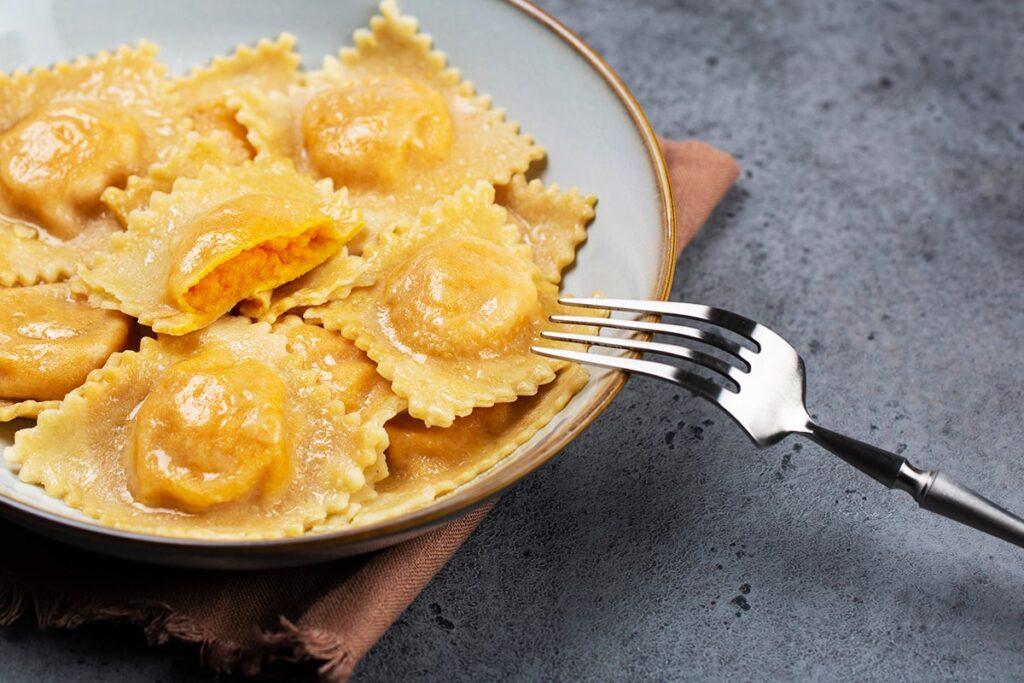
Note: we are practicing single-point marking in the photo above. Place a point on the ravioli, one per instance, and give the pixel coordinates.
(50, 340)
(448, 309)
(380, 198)
(216, 239)
(186, 161)
(392, 122)
(217, 434)
(270, 66)
(425, 463)
(29, 255)
(354, 381)
(553, 222)
(339, 364)
(333, 279)
(69, 132)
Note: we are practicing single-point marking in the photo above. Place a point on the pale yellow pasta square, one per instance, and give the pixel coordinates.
(217, 239)
(69, 132)
(269, 66)
(218, 434)
(50, 340)
(392, 122)
(425, 463)
(553, 222)
(449, 307)
(184, 161)
(353, 380)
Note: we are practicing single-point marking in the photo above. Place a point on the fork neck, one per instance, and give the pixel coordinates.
(884, 467)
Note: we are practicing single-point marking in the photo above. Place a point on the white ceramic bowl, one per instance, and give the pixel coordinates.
(545, 77)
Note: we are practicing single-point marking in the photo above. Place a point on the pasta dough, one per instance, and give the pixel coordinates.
(186, 161)
(69, 132)
(553, 222)
(29, 256)
(216, 239)
(217, 434)
(354, 381)
(425, 463)
(270, 66)
(448, 309)
(49, 342)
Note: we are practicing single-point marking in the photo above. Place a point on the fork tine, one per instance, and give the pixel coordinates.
(696, 357)
(730, 321)
(695, 383)
(691, 333)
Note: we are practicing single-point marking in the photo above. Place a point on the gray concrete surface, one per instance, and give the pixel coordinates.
(878, 224)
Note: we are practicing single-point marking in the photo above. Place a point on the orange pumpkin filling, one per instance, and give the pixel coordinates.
(366, 131)
(55, 164)
(51, 340)
(462, 296)
(211, 431)
(248, 245)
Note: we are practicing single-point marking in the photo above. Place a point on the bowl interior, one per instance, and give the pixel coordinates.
(535, 74)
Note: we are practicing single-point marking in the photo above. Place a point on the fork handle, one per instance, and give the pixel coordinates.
(933, 490)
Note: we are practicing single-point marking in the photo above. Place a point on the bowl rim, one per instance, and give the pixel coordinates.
(470, 495)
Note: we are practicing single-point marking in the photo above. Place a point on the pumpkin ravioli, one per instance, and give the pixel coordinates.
(50, 340)
(553, 222)
(425, 463)
(380, 198)
(449, 307)
(216, 239)
(220, 434)
(69, 132)
(269, 66)
(353, 379)
(185, 161)
(392, 122)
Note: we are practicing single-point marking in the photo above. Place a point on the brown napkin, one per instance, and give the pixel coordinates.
(258, 622)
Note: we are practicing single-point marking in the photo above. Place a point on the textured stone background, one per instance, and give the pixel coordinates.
(879, 225)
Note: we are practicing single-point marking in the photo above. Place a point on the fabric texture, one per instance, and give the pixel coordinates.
(326, 615)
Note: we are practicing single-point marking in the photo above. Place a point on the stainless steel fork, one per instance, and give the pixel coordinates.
(762, 388)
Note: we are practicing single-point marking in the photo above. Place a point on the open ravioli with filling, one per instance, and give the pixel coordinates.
(333, 279)
(216, 239)
(68, 133)
(448, 309)
(392, 122)
(50, 340)
(220, 433)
